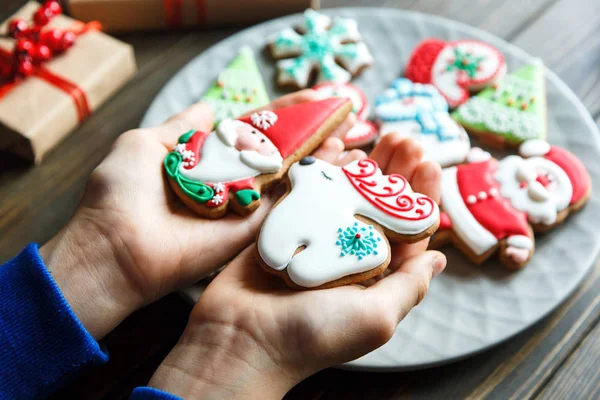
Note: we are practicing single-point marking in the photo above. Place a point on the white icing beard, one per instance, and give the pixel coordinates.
(311, 215)
(545, 211)
(446, 152)
(219, 162)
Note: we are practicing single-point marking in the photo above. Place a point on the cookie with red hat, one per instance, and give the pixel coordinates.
(492, 206)
(228, 168)
(455, 68)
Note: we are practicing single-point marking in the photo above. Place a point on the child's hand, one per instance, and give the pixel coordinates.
(132, 240)
(250, 336)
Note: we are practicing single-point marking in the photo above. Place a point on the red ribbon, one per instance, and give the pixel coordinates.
(75, 92)
(174, 10)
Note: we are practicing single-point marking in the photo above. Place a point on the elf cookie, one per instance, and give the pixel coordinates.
(455, 68)
(228, 167)
(363, 132)
(419, 111)
(332, 227)
(333, 50)
(239, 88)
(510, 111)
(492, 206)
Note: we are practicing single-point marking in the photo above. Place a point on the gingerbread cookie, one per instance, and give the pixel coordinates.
(363, 132)
(510, 111)
(333, 50)
(419, 111)
(228, 167)
(455, 68)
(333, 225)
(239, 88)
(492, 206)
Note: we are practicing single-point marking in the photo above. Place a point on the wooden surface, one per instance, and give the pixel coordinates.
(557, 358)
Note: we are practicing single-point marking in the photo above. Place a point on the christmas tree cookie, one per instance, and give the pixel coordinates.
(509, 112)
(238, 89)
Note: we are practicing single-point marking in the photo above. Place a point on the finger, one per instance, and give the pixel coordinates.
(384, 149)
(348, 157)
(406, 287)
(427, 180)
(329, 150)
(342, 130)
(301, 96)
(199, 117)
(406, 158)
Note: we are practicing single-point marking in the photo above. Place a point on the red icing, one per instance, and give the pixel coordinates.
(195, 143)
(296, 124)
(420, 66)
(389, 195)
(574, 169)
(370, 132)
(364, 102)
(235, 186)
(445, 222)
(495, 214)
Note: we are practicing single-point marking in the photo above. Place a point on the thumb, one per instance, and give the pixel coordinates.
(407, 286)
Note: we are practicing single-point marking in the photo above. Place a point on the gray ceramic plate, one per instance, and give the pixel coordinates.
(468, 309)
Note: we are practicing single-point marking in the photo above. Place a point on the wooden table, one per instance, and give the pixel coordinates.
(557, 358)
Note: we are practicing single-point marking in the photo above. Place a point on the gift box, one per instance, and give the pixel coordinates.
(39, 109)
(136, 15)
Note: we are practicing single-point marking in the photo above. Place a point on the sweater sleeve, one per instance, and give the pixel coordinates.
(42, 343)
(148, 393)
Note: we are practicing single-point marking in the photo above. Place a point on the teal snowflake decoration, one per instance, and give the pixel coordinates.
(321, 44)
(359, 241)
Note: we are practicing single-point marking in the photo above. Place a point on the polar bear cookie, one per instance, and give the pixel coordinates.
(492, 206)
(332, 227)
(229, 167)
(332, 49)
(420, 112)
(455, 68)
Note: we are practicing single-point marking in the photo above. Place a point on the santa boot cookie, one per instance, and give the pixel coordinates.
(230, 166)
(455, 68)
(332, 227)
(363, 132)
(419, 111)
(510, 111)
(492, 206)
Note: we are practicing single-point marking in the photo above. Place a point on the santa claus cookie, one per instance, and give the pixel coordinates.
(418, 111)
(363, 132)
(332, 227)
(228, 167)
(510, 111)
(492, 206)
(332, 49)
(455, 68)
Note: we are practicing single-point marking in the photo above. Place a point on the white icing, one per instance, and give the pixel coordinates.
(476, 154)
(534, 147)
(226, 130)
(520, 241)
(538, 192)
(219, 162)
(359, 131)
(464, 224)
(350, 92)
(447, 81)
(263, 119)
(509, 174)
(219, 187)
(264, 164)
(311, 215)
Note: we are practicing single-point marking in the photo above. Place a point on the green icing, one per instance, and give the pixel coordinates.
(247, 196)
(186, 136)
(514, 108)
(465, 61)
(238, 89)
(197, 191)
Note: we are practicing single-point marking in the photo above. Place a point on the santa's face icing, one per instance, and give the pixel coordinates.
(536, 186)
(235, 150)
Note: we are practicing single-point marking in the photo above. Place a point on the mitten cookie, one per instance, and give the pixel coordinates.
(332, 227)
(363, 132)
(419, 111)
(239, 88)
(455, 68)
(228, 167)
(510, 111)
(492, 206)
(333, 50)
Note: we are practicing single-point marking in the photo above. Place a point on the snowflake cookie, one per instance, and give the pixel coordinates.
(333, 48)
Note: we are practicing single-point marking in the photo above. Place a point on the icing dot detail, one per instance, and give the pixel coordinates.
(471, 199)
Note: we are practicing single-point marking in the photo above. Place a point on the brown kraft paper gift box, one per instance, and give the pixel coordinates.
(36, 115)
(137, 15)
